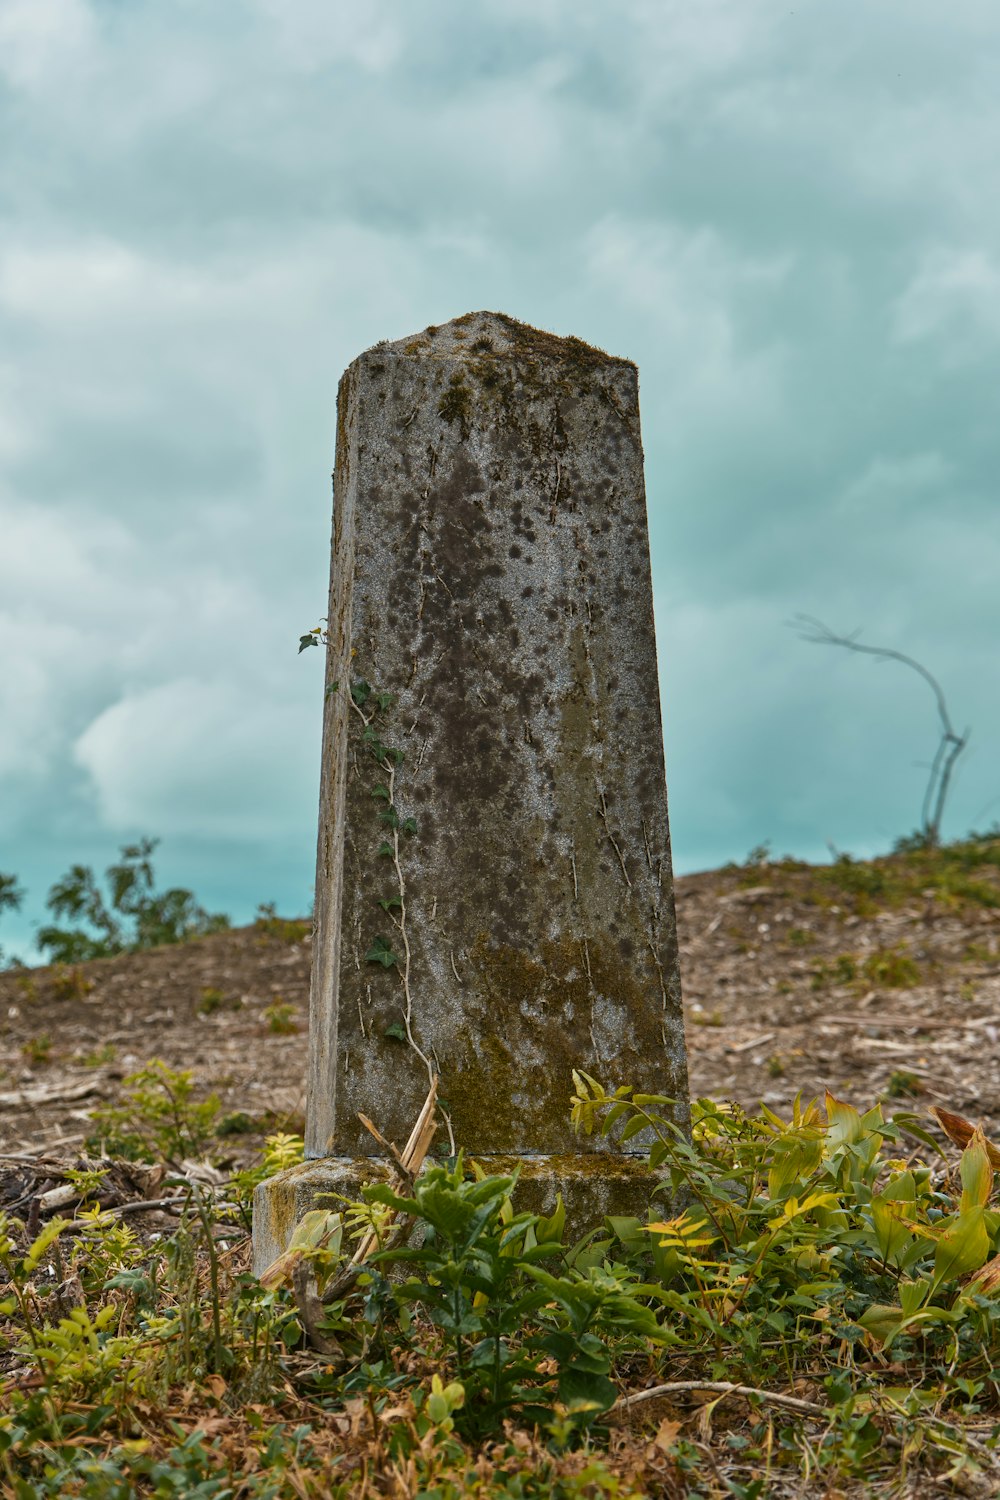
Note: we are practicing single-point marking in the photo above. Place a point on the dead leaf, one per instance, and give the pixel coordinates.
(960, 1132)
(667, 1434)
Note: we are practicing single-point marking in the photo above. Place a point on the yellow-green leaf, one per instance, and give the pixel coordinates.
(844, 1123)
(976, 1172)
(963, 1246)
(892, 1234)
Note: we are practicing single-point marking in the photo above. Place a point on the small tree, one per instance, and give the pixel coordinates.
(11, 896)
(950, 745)
(133, 917)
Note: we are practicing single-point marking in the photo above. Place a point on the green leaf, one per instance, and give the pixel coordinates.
(391, 903)
(381, 793)
(962, 1247)
(845, 1127)
(410, 826)
(881, 1321)
(381, 952)
(395, 1032)
(551, 1228)
(892, 1234)
(586, 1391)
(361, 691)
(913, 1295)
(305, 641)
(390, 817)
(385, 851)
(53, 1229)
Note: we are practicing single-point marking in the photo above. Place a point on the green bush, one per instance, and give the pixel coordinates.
(133, 916)
(157, 1118)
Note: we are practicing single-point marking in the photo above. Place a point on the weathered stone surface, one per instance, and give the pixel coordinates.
(590, 1187)
(491, 575)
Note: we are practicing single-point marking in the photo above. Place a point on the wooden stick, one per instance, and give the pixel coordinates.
(411, 1161)
(726, 1387)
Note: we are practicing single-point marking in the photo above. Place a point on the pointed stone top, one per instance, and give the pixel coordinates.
(494, 335)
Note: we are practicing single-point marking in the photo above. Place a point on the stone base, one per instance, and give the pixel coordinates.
(592, 1186)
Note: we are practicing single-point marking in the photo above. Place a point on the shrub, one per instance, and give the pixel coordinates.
(157, 1118)
(133, 916)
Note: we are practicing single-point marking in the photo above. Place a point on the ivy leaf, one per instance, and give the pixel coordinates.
(384, 701)
(396, 757)
(381, 792)
(374, 745)
(306, 641)
(395, 1032)
(390, 817)
(410, 826)
(361, 691)
(391, 903)
(332, 688)
(385, 851)
(381, 952)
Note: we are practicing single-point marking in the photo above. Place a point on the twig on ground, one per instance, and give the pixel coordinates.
(725, 1388)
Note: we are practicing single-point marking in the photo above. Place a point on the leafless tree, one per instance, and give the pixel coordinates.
(950, 745)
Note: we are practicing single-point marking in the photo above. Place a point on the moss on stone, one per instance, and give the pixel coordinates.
(456, 405)
(540, 1007)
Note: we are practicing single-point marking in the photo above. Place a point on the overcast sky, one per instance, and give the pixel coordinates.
(790, 219)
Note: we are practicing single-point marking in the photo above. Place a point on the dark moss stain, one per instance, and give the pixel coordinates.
(540, 1006)
(456, 405)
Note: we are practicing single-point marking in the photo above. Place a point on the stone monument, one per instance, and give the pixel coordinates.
(494, 902)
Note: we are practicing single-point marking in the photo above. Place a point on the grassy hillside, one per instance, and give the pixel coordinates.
(821, 1318)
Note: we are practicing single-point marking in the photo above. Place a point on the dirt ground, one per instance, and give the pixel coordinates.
(794, 979)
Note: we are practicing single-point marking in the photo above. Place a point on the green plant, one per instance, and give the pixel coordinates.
(904, 1085)
(981, 953)
(392, 953)
(280, 1152)
(807, 1218)
(11, 896)
(282, 929)
(132, 917)
(842, 970)
(70, 984)
(157, 1117)
(27, 988)
(280, 1017)
(892, 968)
(515, 1334)
(98, 1057)
(811, 1261)
(37, 1050)
(212, 1000)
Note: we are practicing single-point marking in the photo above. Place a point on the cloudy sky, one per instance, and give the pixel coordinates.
(788, 216)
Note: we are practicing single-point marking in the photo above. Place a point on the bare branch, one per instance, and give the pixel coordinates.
(813, 630)
(951, 745)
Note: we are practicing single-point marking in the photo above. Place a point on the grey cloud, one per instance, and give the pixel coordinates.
(781, 215)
